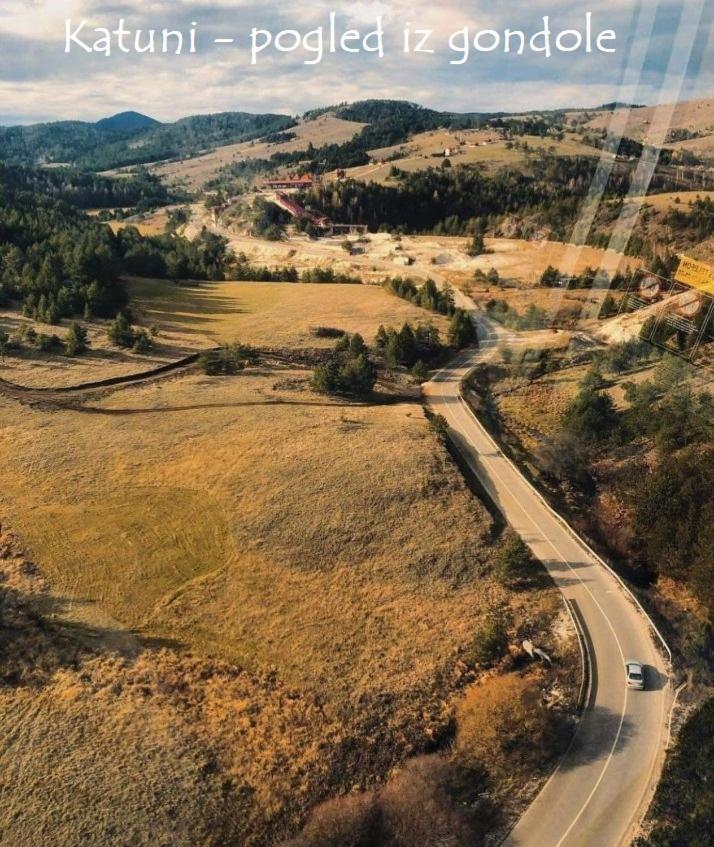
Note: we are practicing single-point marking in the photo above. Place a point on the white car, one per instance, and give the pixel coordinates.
(635, 675)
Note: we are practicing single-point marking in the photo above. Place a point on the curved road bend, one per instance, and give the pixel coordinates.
(604, 783)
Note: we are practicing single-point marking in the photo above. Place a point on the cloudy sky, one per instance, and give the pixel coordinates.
(664, 52)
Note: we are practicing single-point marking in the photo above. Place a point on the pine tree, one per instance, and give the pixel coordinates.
(461, 330)
(120, 331)
(76, 339)
(477, 246)
(357, 345)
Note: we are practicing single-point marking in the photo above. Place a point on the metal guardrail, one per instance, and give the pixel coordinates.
(586, 661)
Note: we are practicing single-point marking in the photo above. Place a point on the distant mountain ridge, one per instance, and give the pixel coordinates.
(130, 138)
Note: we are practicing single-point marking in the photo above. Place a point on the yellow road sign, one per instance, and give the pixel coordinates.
(697, 274)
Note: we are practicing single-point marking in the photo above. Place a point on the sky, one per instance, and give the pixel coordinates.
(664, 52)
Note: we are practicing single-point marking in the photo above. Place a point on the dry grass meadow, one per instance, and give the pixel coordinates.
(255, 597)
(195, 172)
(193, 317)
(646, 124)
(270, 314)
(479, 147)
(682, 200)
(534, 410)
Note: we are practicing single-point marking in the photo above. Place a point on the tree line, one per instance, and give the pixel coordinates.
(85, 190)
(56, 262)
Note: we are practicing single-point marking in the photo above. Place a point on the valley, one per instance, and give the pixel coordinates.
(274, 551)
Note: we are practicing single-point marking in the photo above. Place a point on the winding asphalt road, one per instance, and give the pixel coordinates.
(601, 789)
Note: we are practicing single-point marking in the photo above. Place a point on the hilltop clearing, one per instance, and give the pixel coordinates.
(468, 147)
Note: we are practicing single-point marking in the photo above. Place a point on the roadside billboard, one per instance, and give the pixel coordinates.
(695, 273)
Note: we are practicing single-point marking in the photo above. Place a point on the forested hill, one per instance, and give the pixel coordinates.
(402, 115)
(87, 190)
(56, 262)
(54, 256)
(133, 139)
(130, 139)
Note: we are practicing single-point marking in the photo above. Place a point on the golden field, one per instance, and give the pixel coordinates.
(334, 547)
(271, 314)
(258, 597)
(197, 316)
(648, 124)
(534, 410)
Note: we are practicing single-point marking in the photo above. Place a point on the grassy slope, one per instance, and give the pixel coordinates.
(196, 171)
(331, 550)
(418, 153)
(643, 124)
(272, 314)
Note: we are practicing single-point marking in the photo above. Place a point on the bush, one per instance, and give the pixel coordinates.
(348, 371)
(430, 802)
(327, 332)
(489, 644)
(593, 379)
(76, 339)
(420, 372)
(504, 726)
(351, 821)
(227, 360)
(439, 426)
(120, 331)
(142, 342)
(48, 343)
(591, 416)
(684, 803)
(513, 561)
(477, 246)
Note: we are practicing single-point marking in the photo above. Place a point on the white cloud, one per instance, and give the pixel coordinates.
(37, 79)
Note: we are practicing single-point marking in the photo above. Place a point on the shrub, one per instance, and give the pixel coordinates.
(420, 372)
(327, 332)
(349, 370)
(76, 339)
(48, 343)
(439, 426)
(351, 821)
(591, 416)
(489, 644)
(513, 561)
(142, 342)
(477, 246)
(503, 725)
(120, 332)
(430, 802)
(228, 359)
(684, 803)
